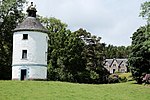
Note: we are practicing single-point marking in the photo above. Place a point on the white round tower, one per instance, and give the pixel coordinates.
(30, 44)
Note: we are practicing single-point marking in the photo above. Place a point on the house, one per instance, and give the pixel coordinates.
(116, 65)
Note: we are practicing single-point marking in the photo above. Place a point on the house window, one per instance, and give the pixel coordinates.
(122, 70)
(25, 36)
(24, 54)
(114, 65)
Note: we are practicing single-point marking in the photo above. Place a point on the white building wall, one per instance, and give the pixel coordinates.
(33, 72)
(36, 46)
(36, 62)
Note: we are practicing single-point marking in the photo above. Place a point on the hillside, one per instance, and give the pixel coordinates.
(43, 90)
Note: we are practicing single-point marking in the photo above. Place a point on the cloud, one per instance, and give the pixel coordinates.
(113, 20)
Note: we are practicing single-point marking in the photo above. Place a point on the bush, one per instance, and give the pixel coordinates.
(122, 79)
(114, 78)
(127, 75)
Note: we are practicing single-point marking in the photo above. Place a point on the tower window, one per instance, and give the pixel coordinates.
(25, 36)
(24, 54)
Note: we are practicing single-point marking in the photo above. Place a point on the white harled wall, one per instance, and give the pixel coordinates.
(36, 62)
(33, 72)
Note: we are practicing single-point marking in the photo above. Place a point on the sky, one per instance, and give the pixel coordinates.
(113, 20)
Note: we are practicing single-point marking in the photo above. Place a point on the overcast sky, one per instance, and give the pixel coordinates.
(113, 20)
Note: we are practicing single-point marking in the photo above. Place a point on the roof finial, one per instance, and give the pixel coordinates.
(32, 10)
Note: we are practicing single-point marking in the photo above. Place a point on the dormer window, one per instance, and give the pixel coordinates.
(25, 36)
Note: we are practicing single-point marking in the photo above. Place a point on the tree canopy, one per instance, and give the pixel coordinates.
(116, 51)
(139, 57)
(74, 56)
(145, 11)
(10, 15)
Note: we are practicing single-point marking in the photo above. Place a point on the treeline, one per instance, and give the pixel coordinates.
(74, 56)
(117, 51)
(78, 56)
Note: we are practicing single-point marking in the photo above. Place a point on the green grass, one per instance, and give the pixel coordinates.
(43, 90)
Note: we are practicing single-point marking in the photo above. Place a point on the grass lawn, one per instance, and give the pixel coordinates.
(43, 90)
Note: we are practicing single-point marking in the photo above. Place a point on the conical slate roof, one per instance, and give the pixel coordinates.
(31, 23)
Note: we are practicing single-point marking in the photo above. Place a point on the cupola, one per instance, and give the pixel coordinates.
(31, 23)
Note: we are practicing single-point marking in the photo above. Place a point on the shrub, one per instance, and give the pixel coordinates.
(122, 79)
(127, 75)
(130, 78)
(114, 78)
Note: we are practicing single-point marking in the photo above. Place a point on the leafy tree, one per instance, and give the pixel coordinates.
(93, 54)
(116, 51)
(145, 11)
(65, 60)
(139, 58)
(10, 15)
(73, 56)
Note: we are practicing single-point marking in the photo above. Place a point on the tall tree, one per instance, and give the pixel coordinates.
(139, 57)
(94, 56)
(116, 51)
(65, 60)
(73, 56)
(10, 15)
(145, 11)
